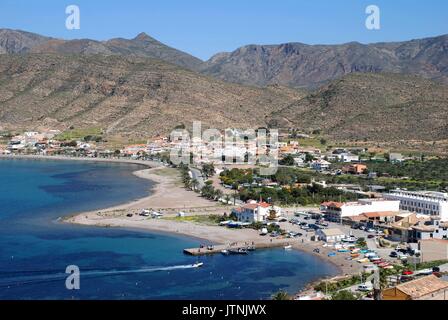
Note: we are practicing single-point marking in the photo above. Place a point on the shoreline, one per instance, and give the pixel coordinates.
(161, 198)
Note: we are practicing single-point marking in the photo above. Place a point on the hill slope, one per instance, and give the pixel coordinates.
(127, 96)
(14, 41)
(378, 107)
(301, 65)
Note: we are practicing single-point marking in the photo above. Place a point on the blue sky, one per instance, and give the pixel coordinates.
(206, 27)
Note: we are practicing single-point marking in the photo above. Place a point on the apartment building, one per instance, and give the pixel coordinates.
(430, 203)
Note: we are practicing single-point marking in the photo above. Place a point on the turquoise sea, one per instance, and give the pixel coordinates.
(35, 248)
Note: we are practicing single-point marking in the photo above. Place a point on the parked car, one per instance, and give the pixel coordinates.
(370, 236)
(362, 228)
(365, 287)
(425, 272)
(393, 254)
(371, 230)
(407, 273)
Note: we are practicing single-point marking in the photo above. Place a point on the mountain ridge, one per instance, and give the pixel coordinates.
(292, 64)
(140, 46)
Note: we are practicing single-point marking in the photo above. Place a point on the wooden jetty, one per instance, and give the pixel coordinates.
(209, 250)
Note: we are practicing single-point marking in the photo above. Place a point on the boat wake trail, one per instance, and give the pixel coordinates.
(33, 279)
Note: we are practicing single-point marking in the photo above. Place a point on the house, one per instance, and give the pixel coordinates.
(357, 168)
(433, 249)
(320, 165)
(425, 288)
(255, 212)
(376, 218)
(330, 235)
(402, 229)
(396, 157)
(348, 157)
(300, 162)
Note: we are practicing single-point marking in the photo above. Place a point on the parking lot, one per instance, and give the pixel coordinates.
(370, 237)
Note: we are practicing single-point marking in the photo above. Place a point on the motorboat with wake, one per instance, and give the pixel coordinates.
(198, 264)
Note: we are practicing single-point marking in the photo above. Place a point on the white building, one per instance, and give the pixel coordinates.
(320, 165)
(424, 202)
(255, 212)
(338, 210)
(330, 235)
(348, 157)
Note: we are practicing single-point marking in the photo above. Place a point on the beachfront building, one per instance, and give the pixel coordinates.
(256, 212)
(424, 202)
(331, 235)
(425, 288)
(338, 210)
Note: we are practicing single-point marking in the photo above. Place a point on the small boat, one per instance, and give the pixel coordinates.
(250, 248)
(238, 251)
(225, 252)
(389, 267)
(198, 264)
(289, 247)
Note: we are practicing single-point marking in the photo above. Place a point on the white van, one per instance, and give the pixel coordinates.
(365, 287)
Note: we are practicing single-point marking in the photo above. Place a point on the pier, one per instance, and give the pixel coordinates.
(209, 250)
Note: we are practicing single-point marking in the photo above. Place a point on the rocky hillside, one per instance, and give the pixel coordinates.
(125, 96)
(375, 107)
(13, 41)
(301, 65)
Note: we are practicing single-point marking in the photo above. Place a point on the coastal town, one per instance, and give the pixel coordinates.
(374, 214)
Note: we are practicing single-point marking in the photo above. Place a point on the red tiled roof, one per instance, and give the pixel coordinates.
(380, 214)
(333, 204)
(253, 206)
(423, 286)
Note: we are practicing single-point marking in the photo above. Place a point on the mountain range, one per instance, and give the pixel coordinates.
(140, 87)
(14, 41)
(289, 64)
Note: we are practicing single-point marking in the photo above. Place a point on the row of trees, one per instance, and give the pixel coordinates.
(207, 191)
(309, 195)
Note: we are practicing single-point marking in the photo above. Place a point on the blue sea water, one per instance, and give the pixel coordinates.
(35, 248)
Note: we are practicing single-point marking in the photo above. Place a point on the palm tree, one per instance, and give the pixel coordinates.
(281, 295)
(234, 197)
